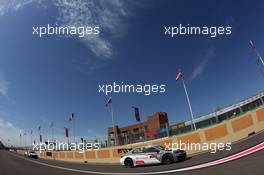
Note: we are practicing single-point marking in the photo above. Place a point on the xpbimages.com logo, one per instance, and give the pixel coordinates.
(145, 89)
(62, 146)
(189, 146)
(80, 31)
(186, 30)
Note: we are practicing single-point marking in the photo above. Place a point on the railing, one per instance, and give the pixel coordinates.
(141, 137)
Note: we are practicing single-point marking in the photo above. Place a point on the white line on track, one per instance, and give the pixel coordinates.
(204, 165)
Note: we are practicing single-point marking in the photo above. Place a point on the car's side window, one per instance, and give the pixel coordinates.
(138, 150)
(151, 150)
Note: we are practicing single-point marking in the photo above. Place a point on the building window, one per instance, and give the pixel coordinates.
(111, 135)
(136, 130)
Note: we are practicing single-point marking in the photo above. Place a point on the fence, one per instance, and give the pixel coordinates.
(237, 112)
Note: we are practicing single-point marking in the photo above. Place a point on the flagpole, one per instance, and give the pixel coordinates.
(256, 52)
(260, 58)
(73, 123)
(189, 103)
(113, 123)
(20, 139)
(52, 132)
(51, 125)
(40, 137)
(68, 139)
(67, 135)
(26, 140)
(31, 137)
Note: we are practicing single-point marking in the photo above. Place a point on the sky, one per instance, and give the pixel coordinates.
(44, 80)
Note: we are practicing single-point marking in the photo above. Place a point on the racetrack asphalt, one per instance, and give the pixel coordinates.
(253, 164)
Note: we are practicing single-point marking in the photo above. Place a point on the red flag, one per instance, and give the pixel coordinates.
(109, 101)
(72, 117)
(66, 132)
(253, 47)
(178, 76)
(151, 133)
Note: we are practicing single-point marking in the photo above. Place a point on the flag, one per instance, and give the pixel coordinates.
(178, 76)
(109, 101)
(72, 117)
(39, 128)
(31, 132)
(20, 133)
(253, 47)
(66, 132)
(151, 133)
(40, 138)
(51, 124)
(137, 113)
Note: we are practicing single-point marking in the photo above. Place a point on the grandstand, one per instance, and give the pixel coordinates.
(215, 117)
(222, 114)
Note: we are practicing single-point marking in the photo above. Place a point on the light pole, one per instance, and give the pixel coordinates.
(109, 103)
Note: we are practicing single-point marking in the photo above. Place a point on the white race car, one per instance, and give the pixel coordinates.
(154, 154)
(31, 154)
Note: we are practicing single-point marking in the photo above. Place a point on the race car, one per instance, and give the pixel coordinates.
(31, 154)
(154, 154)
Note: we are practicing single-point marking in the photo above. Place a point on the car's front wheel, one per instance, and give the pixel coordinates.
(129, 163)
(167, 159)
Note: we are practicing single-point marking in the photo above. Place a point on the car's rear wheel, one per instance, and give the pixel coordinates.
(129, 163)
(167, 159)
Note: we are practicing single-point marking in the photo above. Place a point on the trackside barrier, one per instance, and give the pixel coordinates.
(227, 131)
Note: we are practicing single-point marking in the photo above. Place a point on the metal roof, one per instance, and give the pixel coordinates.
(227, 109)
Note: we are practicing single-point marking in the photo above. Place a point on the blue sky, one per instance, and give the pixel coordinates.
(46, 79)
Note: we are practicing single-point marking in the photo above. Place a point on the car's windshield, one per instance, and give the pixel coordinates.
(157, 147)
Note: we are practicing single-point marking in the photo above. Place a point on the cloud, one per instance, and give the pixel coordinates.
(3, 86)
(6, 125)
(8, 132)
(200, 68)
(106, 14)
(103, 13)
(7, 6)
